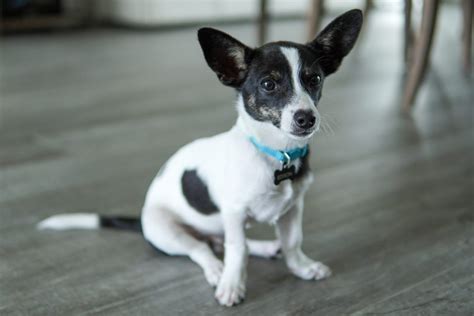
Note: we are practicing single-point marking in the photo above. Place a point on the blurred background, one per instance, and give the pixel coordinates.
(96, 95)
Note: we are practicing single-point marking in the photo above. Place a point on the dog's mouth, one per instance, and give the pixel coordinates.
(302, 133)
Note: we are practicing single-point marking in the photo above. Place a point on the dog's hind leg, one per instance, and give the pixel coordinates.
(269, 249)
(164, 232)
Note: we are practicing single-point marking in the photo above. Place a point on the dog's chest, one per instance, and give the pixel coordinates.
(271, 203)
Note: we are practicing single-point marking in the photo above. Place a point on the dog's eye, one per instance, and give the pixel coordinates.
(268, 85)
(315, 80)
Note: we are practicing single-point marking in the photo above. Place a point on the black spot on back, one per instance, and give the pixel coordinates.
(196, 193)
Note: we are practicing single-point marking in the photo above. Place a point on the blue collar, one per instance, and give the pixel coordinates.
(285, 157)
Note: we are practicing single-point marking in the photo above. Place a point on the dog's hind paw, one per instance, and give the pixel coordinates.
(312, 271)
(320, 271)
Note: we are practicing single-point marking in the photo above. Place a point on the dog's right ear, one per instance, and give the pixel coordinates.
(226, 56)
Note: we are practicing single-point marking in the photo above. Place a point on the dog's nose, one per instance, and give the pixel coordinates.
(304, 119)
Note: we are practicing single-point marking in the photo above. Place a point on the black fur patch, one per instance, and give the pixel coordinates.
(196, 193)
(268, 62)
(310, 66)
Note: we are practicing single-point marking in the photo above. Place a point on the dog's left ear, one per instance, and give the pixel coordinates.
(226, 56)
(337, 39)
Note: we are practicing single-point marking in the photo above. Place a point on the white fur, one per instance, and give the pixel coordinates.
(70, 221)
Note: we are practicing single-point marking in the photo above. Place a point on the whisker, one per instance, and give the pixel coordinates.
(327, 123)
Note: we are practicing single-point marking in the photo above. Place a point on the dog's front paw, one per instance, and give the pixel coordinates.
(312, 270)
(230, 292)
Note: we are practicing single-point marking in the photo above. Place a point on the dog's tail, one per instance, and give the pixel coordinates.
(90, 221)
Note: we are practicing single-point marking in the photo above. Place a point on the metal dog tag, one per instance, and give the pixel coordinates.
(284, 174)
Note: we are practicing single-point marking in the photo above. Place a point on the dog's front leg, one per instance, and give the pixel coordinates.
(290, 232)
(231, 288)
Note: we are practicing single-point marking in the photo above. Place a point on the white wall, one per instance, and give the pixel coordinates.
(168, 12)
(158, 12)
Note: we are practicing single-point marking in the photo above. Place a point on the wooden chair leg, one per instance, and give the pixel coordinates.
(421, 52)
(368, 5)
(408, 34)
(467, 7)
(262, 22)
(314, 18)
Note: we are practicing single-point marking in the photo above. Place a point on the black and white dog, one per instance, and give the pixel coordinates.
(257, 170)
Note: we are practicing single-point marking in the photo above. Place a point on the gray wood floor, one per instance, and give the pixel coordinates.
(87, 119)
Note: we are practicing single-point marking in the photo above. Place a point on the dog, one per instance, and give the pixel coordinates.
(258, 170)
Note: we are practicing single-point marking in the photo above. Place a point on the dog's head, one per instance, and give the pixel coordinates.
(280, 83)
